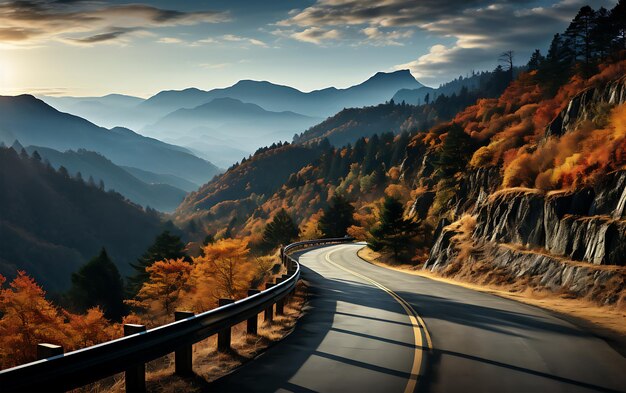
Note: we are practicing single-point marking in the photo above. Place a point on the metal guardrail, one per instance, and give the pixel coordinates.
(130, 354)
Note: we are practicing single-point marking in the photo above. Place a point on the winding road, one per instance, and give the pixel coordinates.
(371, 329)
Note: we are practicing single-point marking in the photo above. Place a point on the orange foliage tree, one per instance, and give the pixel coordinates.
(28, 318)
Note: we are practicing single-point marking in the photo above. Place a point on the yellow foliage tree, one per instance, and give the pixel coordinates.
(226, 263)
(160, 296)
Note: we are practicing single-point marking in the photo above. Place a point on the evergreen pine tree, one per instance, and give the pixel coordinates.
(536, 60)
(282, 230)
(456, 149)
(393, 232)
(98, 283)
(337, 218)
(36, 156)
(618, 24)
(165, 246)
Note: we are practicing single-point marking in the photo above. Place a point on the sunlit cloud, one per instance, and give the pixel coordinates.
(378, 37)
(235, 38)
(316, 35)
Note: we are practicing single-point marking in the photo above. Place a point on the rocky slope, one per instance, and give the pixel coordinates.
(571, 241)
(589, 105)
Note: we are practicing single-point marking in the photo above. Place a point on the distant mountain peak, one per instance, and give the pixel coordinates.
(400, 76)
(17, 146)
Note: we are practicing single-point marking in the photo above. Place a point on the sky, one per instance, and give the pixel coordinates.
(93, 48)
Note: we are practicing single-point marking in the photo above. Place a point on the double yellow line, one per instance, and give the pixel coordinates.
(417, 323)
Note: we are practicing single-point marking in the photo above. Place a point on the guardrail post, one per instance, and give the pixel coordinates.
(269, 311)
(282, 255)
(223, 336)
(46, 350)
(280, 304)
(287, 297)
(135, 376)
(183, 356)
(253, 323)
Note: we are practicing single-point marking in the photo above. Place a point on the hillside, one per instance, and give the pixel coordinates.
(476, 81)
(163, 197)
(233, 196)
(398, 116)
(159, 178)
(52, 224)
(33, 122)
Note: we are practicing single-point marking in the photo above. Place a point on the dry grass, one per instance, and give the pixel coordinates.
(208, 364)
(605, 321)
(515, 190)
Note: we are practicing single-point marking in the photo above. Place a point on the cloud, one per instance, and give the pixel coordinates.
(478, 29)
(316, 35)
(27, 23)
(11, 34)
(377, 37)
(110, 36)
(442, 62)
(170, 40)
(376, 13)
(225, 39)
(235, 38)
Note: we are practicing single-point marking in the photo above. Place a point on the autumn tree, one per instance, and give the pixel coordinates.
(160, 294)
(337, 217)
(165, 246)
(27, 319)
(282, 230)
(393, 232)
(89, 329)
(225, 263)
(98, 283)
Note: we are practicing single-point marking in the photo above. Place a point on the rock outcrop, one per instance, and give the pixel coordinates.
(602, 284)
(588, 105)
(573, 242)
(563, 224)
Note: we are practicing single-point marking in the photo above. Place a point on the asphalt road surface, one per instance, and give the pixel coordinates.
(371, 329)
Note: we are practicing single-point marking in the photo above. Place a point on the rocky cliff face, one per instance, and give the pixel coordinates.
(571, 241)
(493, 262)
(563, 224)
(588, 105)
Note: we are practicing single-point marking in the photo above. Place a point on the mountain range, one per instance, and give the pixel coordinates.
(33, 122)
(319, 103)
(217, 119)
(238, 119)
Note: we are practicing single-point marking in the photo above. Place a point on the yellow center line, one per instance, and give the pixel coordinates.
(416, 322)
